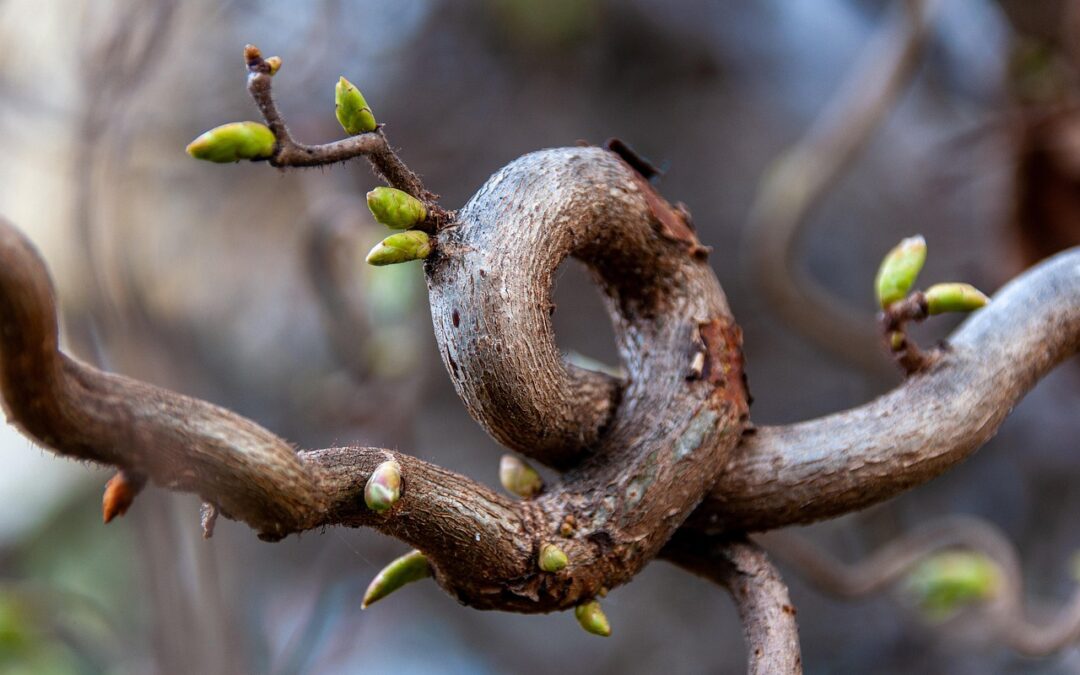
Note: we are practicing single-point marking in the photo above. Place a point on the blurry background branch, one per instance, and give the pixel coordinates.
(998, 590)
(801, 177)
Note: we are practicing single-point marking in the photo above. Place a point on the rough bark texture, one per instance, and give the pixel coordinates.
(761, 597)
(638, 456)
(652, 452)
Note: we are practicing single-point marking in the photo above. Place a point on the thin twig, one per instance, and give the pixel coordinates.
(372, 145)
(893, 321)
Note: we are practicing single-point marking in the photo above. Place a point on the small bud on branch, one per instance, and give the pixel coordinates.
(395, 209)
(899, 270)
(233, 142)
(408, 568)
(120, 493)
(592, 618)
(274, 63)
(383, 488)
(352, 110)
(552, 558)
(954, 297)
(519, 478)
(399, 248)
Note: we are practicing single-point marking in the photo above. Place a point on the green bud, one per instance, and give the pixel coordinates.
(383, 487)
(274, 63)
(351, 108)
(518, 478)
(234, 142)
(592, 618)
(552, 558)
(399, 248)
(945, 582)
(404, 570)
(899, 270)
(954, 297)
(395, 208)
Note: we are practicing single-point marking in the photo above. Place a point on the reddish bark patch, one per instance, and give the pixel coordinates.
(722, 340)
(672, 223)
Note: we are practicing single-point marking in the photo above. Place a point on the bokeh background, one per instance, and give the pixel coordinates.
(245, 286)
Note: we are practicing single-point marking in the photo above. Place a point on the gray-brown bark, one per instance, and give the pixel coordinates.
(761, 597)
(638, 456)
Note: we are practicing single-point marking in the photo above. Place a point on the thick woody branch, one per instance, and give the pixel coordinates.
(496, 342)
(372, 145)
(640, 459)
(472, 534)
(649, 458)
(760, 594)
(847, 461)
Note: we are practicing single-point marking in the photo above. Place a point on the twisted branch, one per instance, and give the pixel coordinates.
(638, 455)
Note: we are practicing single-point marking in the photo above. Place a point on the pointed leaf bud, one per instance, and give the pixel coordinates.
(383, 487)
(518, 478)
(395, 208)
(943, 583)
(899, 270)
(399, 248)
(592, 618)
(552, 558)
(404, 570)
(274, 63)
(954, 297)
(120, 493)
(352, 110)
(234, 142)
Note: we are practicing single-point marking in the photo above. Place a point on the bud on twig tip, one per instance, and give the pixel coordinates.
(954, 297)
(274, 63)
(408, 568)
(518, 478)
(383, 488)
(552, 558)
(233, 142)
(251, 53)
(395, 208)
(352, 109)
(592, 618)
(399, 248)
(899, 269)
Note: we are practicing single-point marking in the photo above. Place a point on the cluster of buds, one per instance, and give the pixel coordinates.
(901, 268)
(394, 208)
(398, 210)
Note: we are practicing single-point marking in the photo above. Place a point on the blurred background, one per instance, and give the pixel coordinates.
(806, 138)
